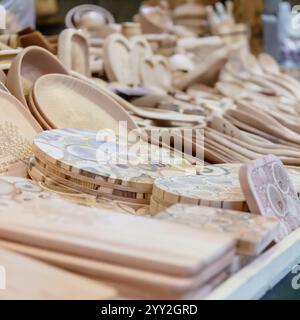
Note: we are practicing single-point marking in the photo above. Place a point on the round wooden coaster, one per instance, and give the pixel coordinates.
(106, 156)
(73, 51)
(38, 171)
(217, 186)
(116, 55)
(51, 171)
(27, 67)
(95, 184)
(66, 102)
(51, 186)
(17, 130)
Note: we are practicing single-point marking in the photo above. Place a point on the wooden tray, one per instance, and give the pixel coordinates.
(66, 102)
(27, 67)
(73, 51)
(254, 233)
(34, 280)
(18, 128)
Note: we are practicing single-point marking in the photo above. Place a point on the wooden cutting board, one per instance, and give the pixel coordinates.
(17, 130)
(90, 154)
(269, 192)
(66, 102)
(73, 51)
(30, 279)
(158, 284)
(254, 233)
(116, 55)
(116, 238)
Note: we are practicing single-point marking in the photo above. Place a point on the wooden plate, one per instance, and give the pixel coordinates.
(73, 51)
(17, 130)
(254, 233)
(66, 102)
(31, 279)
(116, 57)
(269, 192)
(115, 238)
(27, 67)
(90, 154)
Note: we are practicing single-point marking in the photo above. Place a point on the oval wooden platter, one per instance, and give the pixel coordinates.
(116, 55)
(66, 102)
(17, 130)
(73, 51)
(254, 232)
(27, 67)
(90, 154)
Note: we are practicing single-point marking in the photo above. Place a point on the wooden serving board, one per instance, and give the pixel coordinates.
(177, 250)
(269, 192)
(254, 233)
(66, 102)
(30, 279)
(17, 130)
(77, 151)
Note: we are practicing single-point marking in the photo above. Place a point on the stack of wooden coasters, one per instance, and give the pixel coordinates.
(103, 164)
(217, 186)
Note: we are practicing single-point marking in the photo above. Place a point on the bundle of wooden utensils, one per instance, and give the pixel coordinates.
(139, 160)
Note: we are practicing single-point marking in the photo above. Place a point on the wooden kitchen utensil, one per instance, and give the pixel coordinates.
(66, 102)
(6, 58)
(27, 67)
(30, 279)
(254, 233)
(73, 51)
(269, 192)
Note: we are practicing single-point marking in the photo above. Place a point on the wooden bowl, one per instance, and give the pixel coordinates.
(27, 67)
(66, 102)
